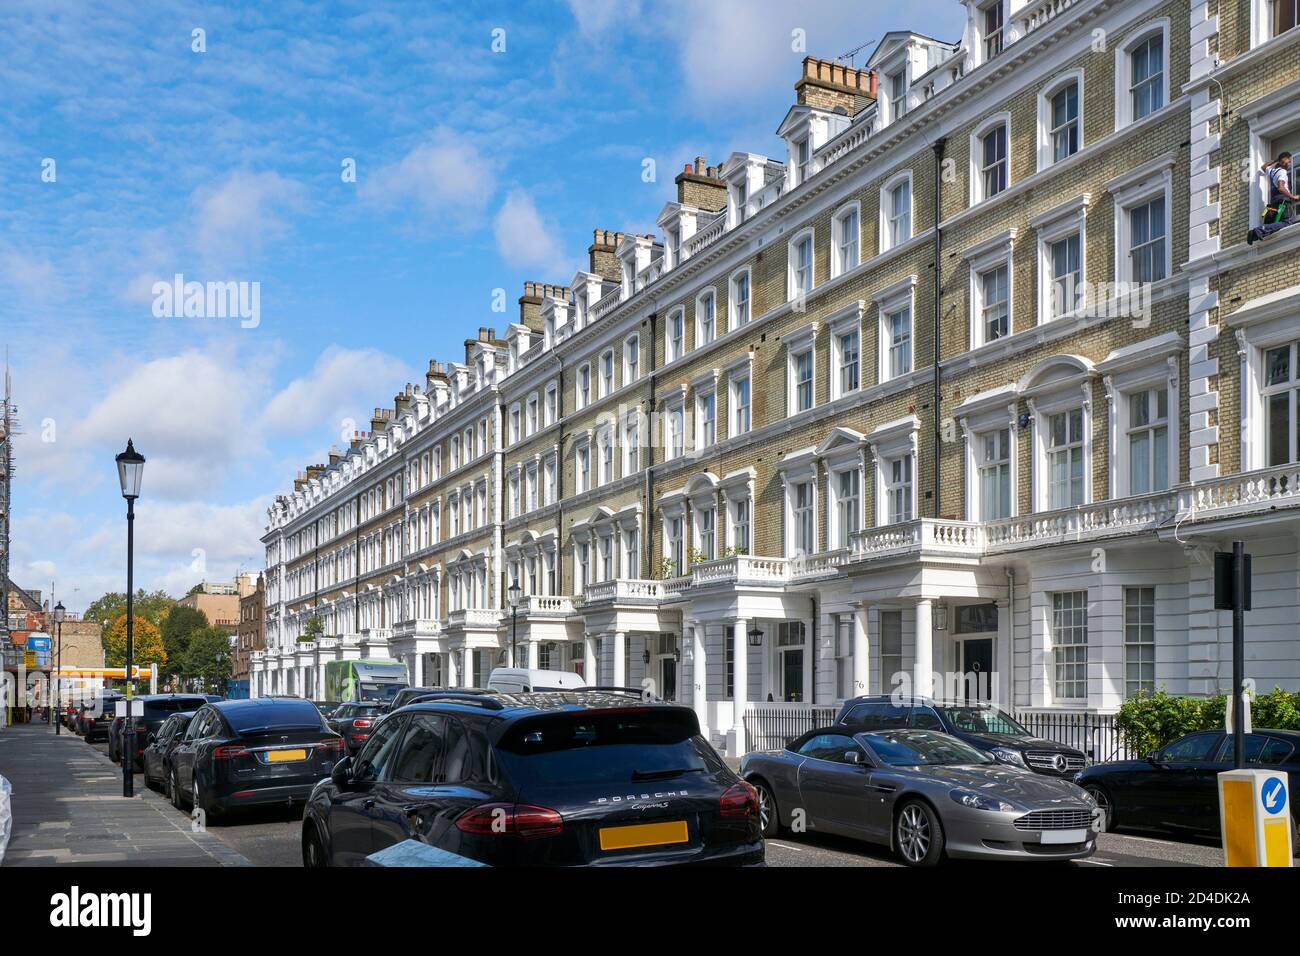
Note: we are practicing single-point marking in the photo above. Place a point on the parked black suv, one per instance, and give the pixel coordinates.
(539, 779)
(157, 708)
(985, 726)
(95, 715)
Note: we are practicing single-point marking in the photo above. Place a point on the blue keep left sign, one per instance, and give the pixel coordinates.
(1273, 794)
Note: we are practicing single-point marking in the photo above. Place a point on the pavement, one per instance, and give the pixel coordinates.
(68, 810)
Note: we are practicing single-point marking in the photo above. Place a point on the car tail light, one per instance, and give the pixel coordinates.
(514, 819)
(361, 722)
(331, 743)
(739, 800)
(228, 751)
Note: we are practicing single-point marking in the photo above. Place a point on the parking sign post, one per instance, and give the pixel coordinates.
(1255, 816)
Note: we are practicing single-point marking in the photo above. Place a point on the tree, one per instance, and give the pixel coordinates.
(153, 605)
(177, 627)
(312, 628)
(207, 660)
(148, 643)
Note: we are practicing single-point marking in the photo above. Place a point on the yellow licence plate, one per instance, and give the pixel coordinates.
(643, 834)
(285, 756)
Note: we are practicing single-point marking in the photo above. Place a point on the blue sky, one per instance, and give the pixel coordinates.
(476, 169)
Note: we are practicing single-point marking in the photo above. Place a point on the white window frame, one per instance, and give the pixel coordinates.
(836, 535)
(631, 369)
(890, 302)
(1124, 70)
(516, 423)
(978, 193)
(889, 442)
(1152, 180)
(582, 468)
(1051, 227)
(982, 259)
(607, 458)
(847, 322)
(582, 381)
(797, 344)
(706, 414)
(887, 210)
(552, 406)
(838, 266)
(895, 106)
(738, 371)
(607, 384)
(1046, 141)
(1054, 631)
(734, 318)
(1136, 646)
(674, 426)
(705, 300)
(1261, 22)
(675, 346)
(1141, 367)
(792, 290)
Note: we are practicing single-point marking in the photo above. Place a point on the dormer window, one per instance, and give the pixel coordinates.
(803, 159)
(674, 242)
(740, 193)
(993, 24)
(898, 94)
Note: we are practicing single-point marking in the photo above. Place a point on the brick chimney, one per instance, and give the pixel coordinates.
(603, 253)
(828, 85)
(699, 186)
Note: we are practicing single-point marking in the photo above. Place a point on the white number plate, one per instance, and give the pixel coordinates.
(1063, 836)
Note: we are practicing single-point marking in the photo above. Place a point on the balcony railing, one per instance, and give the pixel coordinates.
(417, 627)
(1038, 15)
(547, 605)
(474, 617)
(621, 590)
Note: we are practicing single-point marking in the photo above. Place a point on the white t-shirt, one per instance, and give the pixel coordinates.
(1280, 178)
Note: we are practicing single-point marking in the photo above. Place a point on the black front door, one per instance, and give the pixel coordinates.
(977, 660)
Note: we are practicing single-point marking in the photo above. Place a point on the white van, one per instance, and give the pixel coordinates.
(521, 680)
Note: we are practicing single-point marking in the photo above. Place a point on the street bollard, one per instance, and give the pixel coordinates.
(1255, 818)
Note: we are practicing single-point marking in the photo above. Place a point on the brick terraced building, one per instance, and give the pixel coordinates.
(771, 456)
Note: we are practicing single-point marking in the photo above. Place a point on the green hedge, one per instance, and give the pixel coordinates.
(1150, 720)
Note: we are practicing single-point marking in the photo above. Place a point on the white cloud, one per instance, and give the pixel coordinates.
(524, 239)
(446, 176)
(236, 217)
(334, 390)
(594, 17)
(187, 413)
(33, 278)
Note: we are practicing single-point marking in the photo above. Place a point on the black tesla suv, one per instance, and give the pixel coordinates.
(984, 726)
(238, 753)
(538, 779)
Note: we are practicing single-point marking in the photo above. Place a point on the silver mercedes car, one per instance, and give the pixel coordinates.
(924, 793)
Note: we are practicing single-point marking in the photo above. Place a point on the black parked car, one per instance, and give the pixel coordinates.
(95, 715)
(158, 749)
(353, 722)
(1176, 788)
(157, 708)
(983, 726)
(552, 779)
(237, 753)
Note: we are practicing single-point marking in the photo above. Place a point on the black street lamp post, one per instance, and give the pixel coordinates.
(130, 469)
(59, 613)
(514, 593)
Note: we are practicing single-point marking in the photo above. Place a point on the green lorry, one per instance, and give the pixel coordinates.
(364, 680)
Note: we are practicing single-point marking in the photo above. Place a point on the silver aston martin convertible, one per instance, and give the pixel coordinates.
(925, 794)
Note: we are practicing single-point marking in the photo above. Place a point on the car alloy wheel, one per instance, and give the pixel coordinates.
(1104, 805)
(767, 813)
(918, 835)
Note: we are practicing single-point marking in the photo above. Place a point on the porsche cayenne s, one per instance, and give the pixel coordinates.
(566, 778)
(923, 793)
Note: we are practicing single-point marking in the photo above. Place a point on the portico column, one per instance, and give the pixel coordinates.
(861, 651)
(417, 670)
(469, 667)
(620, 659)
(589, 668)
(924, 666)
(740, 645)
(320, 681)
(453, 674)
(809, 661)
(699, 677)
(533, 654)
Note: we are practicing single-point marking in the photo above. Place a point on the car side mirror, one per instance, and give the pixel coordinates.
(1153, 758)
(152, 737)
(857, 758)
(341, 775)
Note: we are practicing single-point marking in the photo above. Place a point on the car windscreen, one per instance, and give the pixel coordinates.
(595, 747)
(919, 748)
(273, 715)
(377, 690)
(983, 720)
